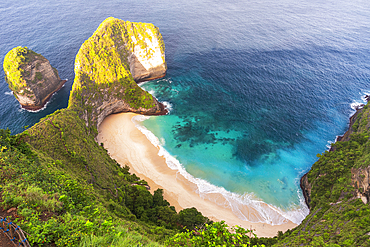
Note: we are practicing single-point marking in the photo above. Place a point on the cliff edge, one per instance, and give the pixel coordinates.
(31, 77)
(108, 65)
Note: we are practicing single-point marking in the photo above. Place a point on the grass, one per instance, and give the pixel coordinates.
(57, 204)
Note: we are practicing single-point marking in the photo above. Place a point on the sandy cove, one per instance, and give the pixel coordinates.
(128, 146)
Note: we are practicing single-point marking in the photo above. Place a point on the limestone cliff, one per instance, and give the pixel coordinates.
(361, 181)
(31, 77)
(306, 189)
(107, 66)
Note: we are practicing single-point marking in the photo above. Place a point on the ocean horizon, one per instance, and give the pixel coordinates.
(255, 89)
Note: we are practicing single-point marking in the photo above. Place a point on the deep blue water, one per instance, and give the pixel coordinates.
(256, 88)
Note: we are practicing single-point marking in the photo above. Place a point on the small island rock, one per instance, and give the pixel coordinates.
(31, 77)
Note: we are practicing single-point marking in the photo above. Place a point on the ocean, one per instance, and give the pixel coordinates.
(255, 89)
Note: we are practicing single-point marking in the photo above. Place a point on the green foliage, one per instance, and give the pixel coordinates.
(55, 173)
(29, 196)
(122, 238)
(102, 69)
(13, 65)
(54, 205)
(215, 234)
(190, 218)
(39, 76)
(55, 72)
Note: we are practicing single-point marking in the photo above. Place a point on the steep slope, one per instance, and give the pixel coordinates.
(31, 77)
(107, 65)
(55, 173)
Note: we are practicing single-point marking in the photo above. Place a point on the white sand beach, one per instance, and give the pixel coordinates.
(128, 146)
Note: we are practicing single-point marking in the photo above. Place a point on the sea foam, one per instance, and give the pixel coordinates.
(246, 206)
(168, 105)
(359, 104)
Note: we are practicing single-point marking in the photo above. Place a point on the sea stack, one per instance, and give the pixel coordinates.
(108, 66)
(31, 77)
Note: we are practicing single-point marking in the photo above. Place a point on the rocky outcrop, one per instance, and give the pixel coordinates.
(306, 189)
(109, 64)
(149, 63)
(31, 77)
(361, 182)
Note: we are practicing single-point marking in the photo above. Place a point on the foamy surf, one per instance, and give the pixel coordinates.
(8, 93)
(355, 105)
(43, 108)
(246, 207)
(168, 105)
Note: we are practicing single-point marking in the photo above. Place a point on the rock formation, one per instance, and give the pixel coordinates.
(361, 181)
(107, 66)
(31, 77)
(147, 63)
(306, 189)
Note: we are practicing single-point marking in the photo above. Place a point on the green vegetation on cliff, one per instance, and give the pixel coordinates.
(31, 77)
(102, 71)
(13, 65)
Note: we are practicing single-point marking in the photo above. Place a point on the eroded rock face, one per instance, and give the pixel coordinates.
(146, 65)
(361, 182)
(306, 189)
(31, 77)
(109, 64)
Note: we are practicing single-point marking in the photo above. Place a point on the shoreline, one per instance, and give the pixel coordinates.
(128, 146)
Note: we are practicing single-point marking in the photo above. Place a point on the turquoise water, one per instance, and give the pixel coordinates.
(255, 88)
(257, 149)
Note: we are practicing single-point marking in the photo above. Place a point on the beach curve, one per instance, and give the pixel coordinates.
(129, 146)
